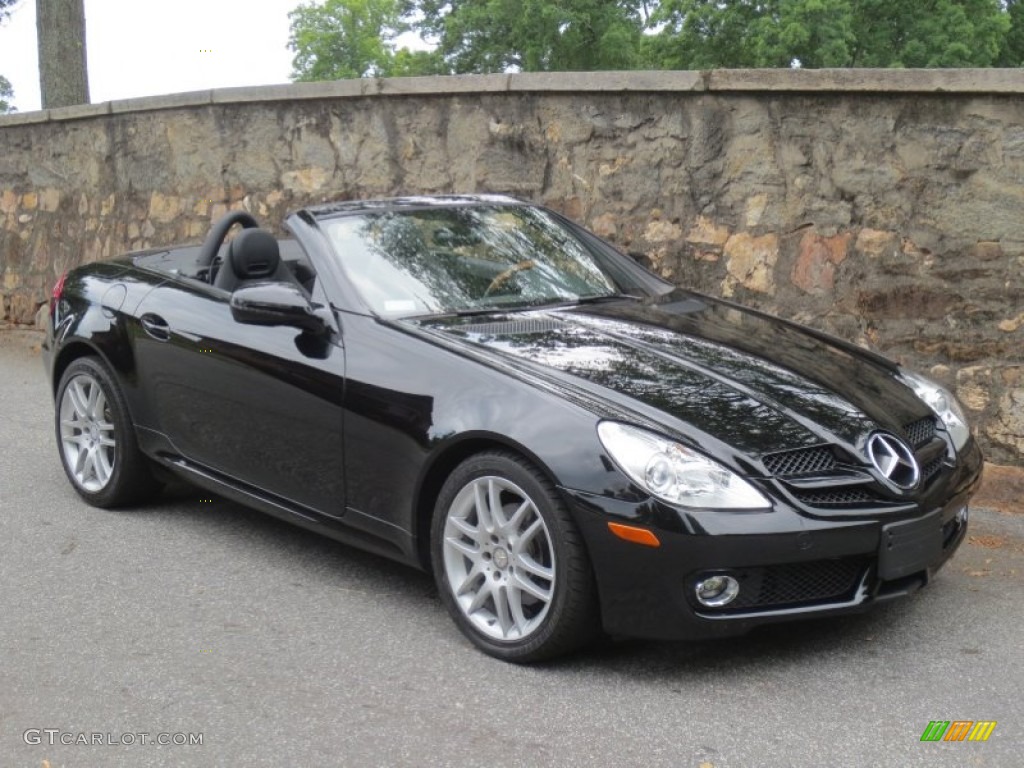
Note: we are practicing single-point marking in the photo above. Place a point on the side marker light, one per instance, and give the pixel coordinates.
(635, 535)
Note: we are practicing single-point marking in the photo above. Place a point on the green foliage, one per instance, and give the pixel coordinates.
(928, 33)
(406, 63)
(534, 35)
(699, 34)
(817, 33)
(6, 93)
(356, 38)
(341, 39)
(1012, 52)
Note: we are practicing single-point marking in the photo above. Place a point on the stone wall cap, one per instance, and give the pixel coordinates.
(620, 81)
(868, 80)
(962, 81)
(24, 118)
(440, 85)
(166, 101)
(77, 111)
(326, 89)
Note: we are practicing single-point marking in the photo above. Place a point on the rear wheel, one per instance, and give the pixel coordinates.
(509, 562)
(96, 438)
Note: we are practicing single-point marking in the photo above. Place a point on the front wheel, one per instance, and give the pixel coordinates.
(96, 439)
(509, 563)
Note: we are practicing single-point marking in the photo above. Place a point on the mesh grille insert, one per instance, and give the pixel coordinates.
(802, 461)
(840, 497)
(920, 431)
(933, 466)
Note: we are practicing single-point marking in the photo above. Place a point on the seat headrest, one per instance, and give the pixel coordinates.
(254, 253)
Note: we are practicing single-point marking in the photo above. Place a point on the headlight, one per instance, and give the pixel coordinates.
(943, 403)
(676, 474)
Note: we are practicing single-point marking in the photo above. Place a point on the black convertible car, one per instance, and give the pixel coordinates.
(478, 387)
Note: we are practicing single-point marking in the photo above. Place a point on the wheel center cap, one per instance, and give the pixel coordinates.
(501, 557)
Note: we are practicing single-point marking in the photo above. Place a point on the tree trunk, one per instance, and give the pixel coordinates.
(60, 25)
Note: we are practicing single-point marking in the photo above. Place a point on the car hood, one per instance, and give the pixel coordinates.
(751, 381)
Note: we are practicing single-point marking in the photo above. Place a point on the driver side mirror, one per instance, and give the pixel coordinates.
(277, 304)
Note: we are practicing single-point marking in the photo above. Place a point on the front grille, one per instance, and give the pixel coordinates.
(920, 431)
(802, 461)
(845, 483)
(840, 497)
(793, 584)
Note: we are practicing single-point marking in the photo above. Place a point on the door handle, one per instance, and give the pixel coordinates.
(155, 326)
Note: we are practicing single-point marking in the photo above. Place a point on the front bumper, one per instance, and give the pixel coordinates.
(790, 565)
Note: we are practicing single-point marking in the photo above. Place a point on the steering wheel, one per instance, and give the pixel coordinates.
(504, 277)
(214, 240)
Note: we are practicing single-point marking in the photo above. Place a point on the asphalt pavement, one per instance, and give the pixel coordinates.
(187, 620)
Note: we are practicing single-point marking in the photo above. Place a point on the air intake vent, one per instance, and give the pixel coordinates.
(794, 584)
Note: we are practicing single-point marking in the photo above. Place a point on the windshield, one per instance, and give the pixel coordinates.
(464, 259)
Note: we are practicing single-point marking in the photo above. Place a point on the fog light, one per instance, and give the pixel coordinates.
(961, 516)
(716, 591)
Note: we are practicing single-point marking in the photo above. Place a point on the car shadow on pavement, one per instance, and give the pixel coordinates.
(777, 642)
(325, 563)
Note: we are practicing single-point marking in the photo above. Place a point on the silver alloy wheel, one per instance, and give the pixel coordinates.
(87, 433)
(499, 558)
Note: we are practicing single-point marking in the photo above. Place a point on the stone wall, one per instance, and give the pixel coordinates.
(882, 206)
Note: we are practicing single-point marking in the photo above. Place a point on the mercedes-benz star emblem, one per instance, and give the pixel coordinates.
(894, 460)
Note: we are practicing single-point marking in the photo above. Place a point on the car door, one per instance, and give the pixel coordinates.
(259, 405)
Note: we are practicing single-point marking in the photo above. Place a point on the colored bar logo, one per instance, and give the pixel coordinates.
(958, 730)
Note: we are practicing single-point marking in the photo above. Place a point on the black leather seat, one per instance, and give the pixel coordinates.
(252, 257)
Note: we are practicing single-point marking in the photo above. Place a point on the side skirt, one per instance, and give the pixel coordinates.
(355, 528)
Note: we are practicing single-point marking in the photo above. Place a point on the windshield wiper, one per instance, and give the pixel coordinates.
(495, 310)
(485, 311)
(600, 299)
(509, 308)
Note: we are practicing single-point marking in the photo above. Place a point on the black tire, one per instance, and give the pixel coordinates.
(567, 617)
(123, 476)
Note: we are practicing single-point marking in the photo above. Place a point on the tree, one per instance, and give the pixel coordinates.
(6, 91)
(927, 33)
(353, 38)
(699, 34)
(63, 78)
(815, 33)
(1012, 52)
(534, 35)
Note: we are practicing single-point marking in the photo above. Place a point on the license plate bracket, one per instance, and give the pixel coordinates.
(910, 546)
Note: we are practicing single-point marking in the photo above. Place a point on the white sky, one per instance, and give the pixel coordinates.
(148, 47)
